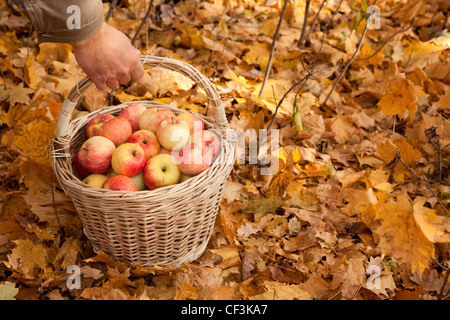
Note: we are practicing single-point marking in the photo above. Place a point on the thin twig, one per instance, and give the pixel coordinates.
(147, 14)
(314, 20)
(419, 178)
(111, 10)
(276, 109)
(51, 184)
(305, 23)
(272, 49)
(350, 61)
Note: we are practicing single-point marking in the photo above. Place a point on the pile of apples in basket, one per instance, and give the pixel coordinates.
(144, 149)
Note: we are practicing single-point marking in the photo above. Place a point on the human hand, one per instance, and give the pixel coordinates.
(108, 58)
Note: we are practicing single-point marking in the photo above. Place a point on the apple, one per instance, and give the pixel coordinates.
(95, 180)
(151, 117)
(82, 172)
(119, 182)
(184, 177)
(194, 122)
(148, 142)
(193, 159)
(128, 159)
(94, 125)
(210, 141)
(96, 153)
(173, 133)
(137, 179)
(132, 112)
(118, 130)
(160, 171)
(79, 113)
(164, 151)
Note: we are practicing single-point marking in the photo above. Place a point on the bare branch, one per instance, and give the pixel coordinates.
(349, 62)
(305, 23)
(274, 40)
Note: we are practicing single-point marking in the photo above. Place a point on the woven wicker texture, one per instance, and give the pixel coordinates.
(165, 227)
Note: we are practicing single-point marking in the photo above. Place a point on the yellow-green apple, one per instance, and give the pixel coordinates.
(79, 113)
(92, 128)
(96, 153)
(128, 159)
(151, 117)
(173, 133)
(132, 112)
(184, 177)
(160, 171)
(82, 172)
(194, 122)
(137, 179)
(192, 160)
(119, 182)
(95, 180)
(147, 140)
(210, 141)
(118, 130)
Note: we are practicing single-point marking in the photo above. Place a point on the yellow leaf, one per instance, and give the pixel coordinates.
(379, 180)
(33, 140)
(49, 51)
(432, 226)
(258, 54)
(282, 291)
(26, 256)
(17, 94)
(366, 51)
(401, 96)
(186, 292)
(399, 235)
(296, 156)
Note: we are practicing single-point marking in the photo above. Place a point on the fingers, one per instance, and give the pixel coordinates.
(138, 72)
(119, 74)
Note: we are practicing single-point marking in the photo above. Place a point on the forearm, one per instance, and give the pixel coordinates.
(65, 21)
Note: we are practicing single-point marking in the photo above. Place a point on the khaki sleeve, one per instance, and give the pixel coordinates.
(65, 21)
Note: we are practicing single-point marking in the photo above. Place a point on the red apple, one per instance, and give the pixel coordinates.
(151, 117)
(93, 126)
(194, 122)
(128, 159)
(137, 179)
(210, 141)
(96, 153)
(160, 171)
(82, 172)
(118, 130)
(173, 133)
(132, 112)
(147, 140)
(193, 160)
(119, 182)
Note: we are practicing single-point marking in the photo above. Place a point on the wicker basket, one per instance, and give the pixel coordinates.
(164, 227)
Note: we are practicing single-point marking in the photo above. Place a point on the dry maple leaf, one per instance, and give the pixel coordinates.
(26, 256)
(399, 235)
(401, 96)
(18, 94)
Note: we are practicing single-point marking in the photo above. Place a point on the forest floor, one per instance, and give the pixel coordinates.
(358, 207)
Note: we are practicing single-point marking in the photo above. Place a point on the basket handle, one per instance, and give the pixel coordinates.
(218, 110)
